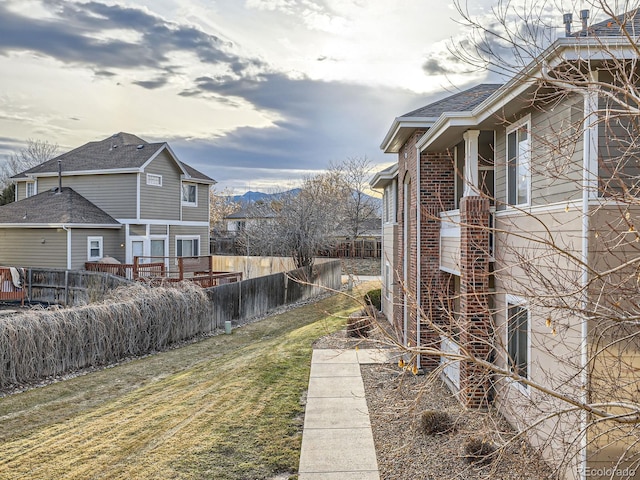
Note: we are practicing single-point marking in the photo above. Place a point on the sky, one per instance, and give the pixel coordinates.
(255, 93)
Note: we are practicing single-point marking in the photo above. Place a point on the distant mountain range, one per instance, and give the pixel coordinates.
(252, 197)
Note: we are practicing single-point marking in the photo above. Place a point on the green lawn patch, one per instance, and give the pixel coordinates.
(227, 407)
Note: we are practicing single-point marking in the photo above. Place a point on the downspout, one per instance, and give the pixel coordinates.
(405, 263)
(419, 258)
(589, 189)
(68, 230)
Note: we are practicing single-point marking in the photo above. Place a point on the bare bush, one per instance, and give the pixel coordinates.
(133, 321)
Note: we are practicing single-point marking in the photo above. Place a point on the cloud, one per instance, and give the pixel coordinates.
(152, 84)
(320, 122)
(112, 36)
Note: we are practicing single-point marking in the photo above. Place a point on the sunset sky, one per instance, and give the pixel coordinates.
(255, 93)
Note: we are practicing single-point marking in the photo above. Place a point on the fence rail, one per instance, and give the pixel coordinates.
(161, 270)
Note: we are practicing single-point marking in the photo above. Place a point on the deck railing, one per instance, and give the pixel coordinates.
(8, 288)
(158, 270)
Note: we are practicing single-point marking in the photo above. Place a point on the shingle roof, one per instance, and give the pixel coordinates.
(51, 207)
(458, 102)
(612, 26)
(119, 151)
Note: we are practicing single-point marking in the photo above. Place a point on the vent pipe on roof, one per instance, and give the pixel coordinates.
(59, 176)
(584, 16)
(567, 18)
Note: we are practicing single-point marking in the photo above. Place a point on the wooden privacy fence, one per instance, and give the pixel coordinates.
(137, 319)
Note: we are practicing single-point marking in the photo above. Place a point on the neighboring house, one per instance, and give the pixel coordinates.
(387, 180)
(502, 201)
(121, 197)
(249, 217)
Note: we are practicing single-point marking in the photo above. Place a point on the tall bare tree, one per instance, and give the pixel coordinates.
(34, 153)
(359, 207)
(306, 220)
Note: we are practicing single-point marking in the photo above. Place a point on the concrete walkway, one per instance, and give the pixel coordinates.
(337, 442)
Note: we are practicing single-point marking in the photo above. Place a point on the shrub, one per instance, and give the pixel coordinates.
(478, 450)
(435, 421)
(359, 325)
(374, 298)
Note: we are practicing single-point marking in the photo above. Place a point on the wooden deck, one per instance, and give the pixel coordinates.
(162, 270)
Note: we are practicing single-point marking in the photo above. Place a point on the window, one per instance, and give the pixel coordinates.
(190, 194)
(94, 248)
(388, 281)
(519, 165)
(518, 337)
(155, 180)
(157, 249)
(31, 188)
(187, 246)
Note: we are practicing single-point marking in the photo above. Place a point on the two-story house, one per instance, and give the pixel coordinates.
(121, 197)
(517, 245)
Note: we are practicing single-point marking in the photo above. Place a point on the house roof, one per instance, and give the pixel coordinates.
(51, 208)
(463, 101)
(252, 211)
(122, 151)
(424, 117)
(606, 35)
(612, 27)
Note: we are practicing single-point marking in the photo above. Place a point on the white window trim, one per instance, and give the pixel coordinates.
(26, 189)
(100, 241)
(187, 237)
(526, 120)
(152, 177)
(515, 301)
(185, 202)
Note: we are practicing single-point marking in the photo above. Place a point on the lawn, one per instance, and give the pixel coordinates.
(227, 407)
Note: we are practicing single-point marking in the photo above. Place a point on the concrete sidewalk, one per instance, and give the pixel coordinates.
(337, 442)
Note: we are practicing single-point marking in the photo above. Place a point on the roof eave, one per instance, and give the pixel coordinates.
(390, 144)
(60, 225)
(385, 177)
(82, 172)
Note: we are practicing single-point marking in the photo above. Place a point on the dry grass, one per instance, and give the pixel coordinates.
(226, 408)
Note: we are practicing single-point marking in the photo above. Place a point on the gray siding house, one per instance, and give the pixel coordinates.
(121, 197)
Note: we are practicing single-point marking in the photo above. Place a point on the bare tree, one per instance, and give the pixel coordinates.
(359, 206)
(304, 222)
(561, 352)
(35, 153)
(221, 204)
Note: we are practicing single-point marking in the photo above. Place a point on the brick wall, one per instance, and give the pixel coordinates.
(437, 194)
(475, 319)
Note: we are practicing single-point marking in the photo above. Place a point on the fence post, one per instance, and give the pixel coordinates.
(66, 288)
(30, 282)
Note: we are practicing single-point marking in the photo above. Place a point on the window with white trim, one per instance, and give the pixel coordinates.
(518, 336)
(31, 189)
(187, 246)
(94, 248)
(153, 179)
(190, 194)
(388, 281)
(519, 164)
